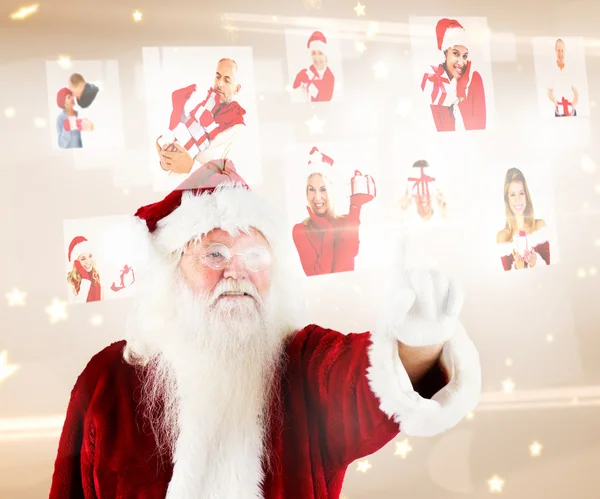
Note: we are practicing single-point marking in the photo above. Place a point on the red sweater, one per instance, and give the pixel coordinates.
(327, 245)
(330, 418)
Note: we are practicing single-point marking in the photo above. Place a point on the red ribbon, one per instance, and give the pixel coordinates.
(438, 81)
(565, 104)
(421, 184)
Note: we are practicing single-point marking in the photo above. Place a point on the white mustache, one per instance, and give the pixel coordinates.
(232, 286)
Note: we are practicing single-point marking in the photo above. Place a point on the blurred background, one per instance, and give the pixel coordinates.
(535, 433)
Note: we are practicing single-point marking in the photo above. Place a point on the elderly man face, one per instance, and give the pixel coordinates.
(226, 83)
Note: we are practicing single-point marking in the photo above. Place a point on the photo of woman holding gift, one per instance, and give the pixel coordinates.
(83, 279)
(427, 202)
(453, 87)
(523, 242)
(328, 243)
(317, 81)
(68, 123)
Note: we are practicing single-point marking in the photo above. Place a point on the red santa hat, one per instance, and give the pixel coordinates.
(317, 41)
(78, 246)
(195, 208)
(449, 33)
(61, 97)
(320, 163)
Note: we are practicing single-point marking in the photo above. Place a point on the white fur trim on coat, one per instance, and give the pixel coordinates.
(231, 208)
(417, 416)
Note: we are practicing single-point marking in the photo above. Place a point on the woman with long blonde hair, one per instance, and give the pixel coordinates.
(83, 278)
(523, 242)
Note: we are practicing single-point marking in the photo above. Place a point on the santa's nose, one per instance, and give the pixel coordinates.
(236, 269)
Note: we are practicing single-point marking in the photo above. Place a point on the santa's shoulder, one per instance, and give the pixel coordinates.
(106, 364)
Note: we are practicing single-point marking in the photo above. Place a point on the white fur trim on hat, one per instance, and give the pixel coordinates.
(416, 415)
(80, 249)
(455, 36)
(231, 208)
(317, 45)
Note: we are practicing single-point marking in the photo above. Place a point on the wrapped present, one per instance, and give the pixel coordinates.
(126, 279)
(565, 108)
(363, 184)
(436, 81)
(521, 245)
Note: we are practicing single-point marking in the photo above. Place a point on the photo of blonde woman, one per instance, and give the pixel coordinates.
(523, 242)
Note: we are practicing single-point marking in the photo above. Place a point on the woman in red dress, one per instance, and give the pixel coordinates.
(326, 243)
(457, 97)
(523, 243)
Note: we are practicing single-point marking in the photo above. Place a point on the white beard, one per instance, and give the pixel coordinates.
(214, 373)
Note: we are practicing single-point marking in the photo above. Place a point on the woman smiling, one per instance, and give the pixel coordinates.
(523, 242)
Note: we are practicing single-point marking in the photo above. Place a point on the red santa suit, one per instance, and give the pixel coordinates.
(455, 103)
(340, 397)
(536, 241)
(318, 84)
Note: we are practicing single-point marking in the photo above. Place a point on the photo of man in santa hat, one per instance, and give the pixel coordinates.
(206, 126)
(317, 82)
(453, 87)
(220, 391)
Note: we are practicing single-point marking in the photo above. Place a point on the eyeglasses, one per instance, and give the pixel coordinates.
(218, 256)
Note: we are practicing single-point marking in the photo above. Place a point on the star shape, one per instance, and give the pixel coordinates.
(228, 25)
(96, 320)
(24, 12)
(9, 112)
(381, 70)
(535, 449)
(137, 16)
(496, 484)
(16, 298)
(372, 30)
(6, 369)
(403, 448)
(359, 9)
(361, 47)
(363, 466)
(64, 61)
(315, 125)
(508, 385)
(57, 311)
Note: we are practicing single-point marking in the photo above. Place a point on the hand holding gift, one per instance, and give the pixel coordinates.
(363, 189)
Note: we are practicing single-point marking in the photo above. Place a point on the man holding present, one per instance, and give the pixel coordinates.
(204, 127)
(217, 394)
(563, 91)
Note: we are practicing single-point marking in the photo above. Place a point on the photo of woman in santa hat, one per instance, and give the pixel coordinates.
(83, 279)
(453, 87)
(327, 242)
(523, 242)
(317, 82)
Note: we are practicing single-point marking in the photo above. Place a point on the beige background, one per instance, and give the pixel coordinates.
(509, 315)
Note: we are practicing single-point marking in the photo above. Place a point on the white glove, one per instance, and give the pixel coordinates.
(424, 311)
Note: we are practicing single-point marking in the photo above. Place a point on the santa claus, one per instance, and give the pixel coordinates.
(216, 393)
(317, 82)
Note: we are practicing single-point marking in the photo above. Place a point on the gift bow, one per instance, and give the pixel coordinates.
(421, 184)
(438, 81)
